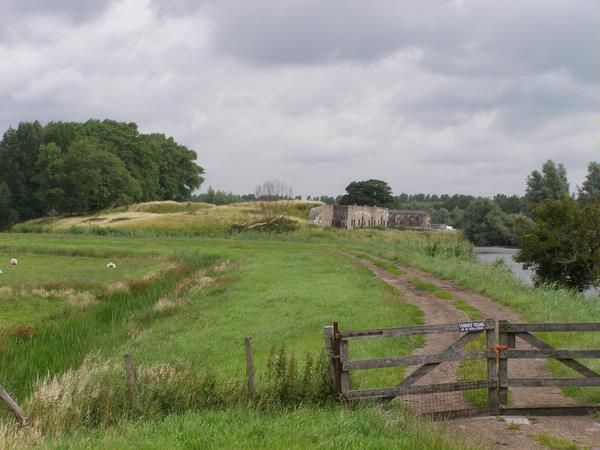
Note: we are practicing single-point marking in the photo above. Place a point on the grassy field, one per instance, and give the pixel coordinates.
(186, 292)
(197, 314)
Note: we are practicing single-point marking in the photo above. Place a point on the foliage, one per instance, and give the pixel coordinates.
(76, 168)
(286, 382)
(7, 215)
(218, 197)
(486, 224)
(590, 189)
(550, 184)
(563, 244)
(370, 193)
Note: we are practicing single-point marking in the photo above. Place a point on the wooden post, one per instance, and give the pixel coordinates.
(129, 378)
(492, 373)
(344, 374)
(504, 341)
(12, 406)
(336, 359)
(328, 335)
(250, 366)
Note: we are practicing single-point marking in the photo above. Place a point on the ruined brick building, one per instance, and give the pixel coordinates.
(353, 216)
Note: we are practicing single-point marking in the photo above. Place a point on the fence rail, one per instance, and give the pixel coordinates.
(501, 337)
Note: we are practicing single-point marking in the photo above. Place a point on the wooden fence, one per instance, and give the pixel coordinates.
(500, 348)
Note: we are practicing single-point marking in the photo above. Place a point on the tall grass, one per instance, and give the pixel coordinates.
(61, 343)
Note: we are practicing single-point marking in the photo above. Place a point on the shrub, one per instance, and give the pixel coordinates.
(286, 383)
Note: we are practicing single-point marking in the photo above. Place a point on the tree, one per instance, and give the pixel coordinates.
(370, 193)
(551, 184)
(50, 168)
(512, 204)
(562, 245)
(96, 178)
(486, 224)
(273, 198)
(590, 189)
(179, 175)
(7, 214)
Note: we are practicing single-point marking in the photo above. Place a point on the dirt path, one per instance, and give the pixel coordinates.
(490, 432)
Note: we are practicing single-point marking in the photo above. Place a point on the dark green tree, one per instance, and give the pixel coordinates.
(590, 189)
(562, 245)
(8, 215)
(21, 147)
(370, 193)
(486, 224)
(39, 166)
(179, 175)
(96, 178)
(550, 184)
(50, 178)
(511, 204)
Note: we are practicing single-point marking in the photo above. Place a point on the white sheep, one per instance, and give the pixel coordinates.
(14, 262)
(111, 265)
(1, 272)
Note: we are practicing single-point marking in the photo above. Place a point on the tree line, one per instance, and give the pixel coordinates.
(79, 168)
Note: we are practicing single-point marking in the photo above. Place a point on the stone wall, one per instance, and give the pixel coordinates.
(409, 219)
(349, 216)
(322, 215)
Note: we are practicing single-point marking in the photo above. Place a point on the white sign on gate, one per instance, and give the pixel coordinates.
(471, 326)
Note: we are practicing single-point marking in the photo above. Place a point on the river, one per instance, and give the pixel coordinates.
(491, 254)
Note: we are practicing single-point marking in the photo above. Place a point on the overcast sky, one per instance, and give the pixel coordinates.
(432, 96)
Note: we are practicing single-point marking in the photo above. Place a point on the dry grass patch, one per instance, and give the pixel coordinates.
(184, 290)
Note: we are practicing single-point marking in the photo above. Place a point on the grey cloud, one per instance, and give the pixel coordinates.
(77, 10)
(174, 8)
(305, 32)
(477, 38)
(521, 103)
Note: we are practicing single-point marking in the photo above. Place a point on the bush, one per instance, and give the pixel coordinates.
(562, 246)
(286, 383)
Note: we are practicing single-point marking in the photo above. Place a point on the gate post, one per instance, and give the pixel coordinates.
(506, 340)
(328, 335)
(336, 360)
(492, 370)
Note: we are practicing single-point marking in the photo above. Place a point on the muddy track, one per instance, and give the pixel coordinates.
(490, 432)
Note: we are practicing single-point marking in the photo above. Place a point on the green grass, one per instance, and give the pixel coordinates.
(30, 309)
(428, 287)
(63, 340)
(385, 265)
(280, 293)
(475, 369)
(281, 300)
(556, 443)
(279, 289)
(43, 269)
(267, 294)
(472, 312)
(305, 427)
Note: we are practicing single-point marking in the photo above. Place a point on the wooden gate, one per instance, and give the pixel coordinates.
(500, 347)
